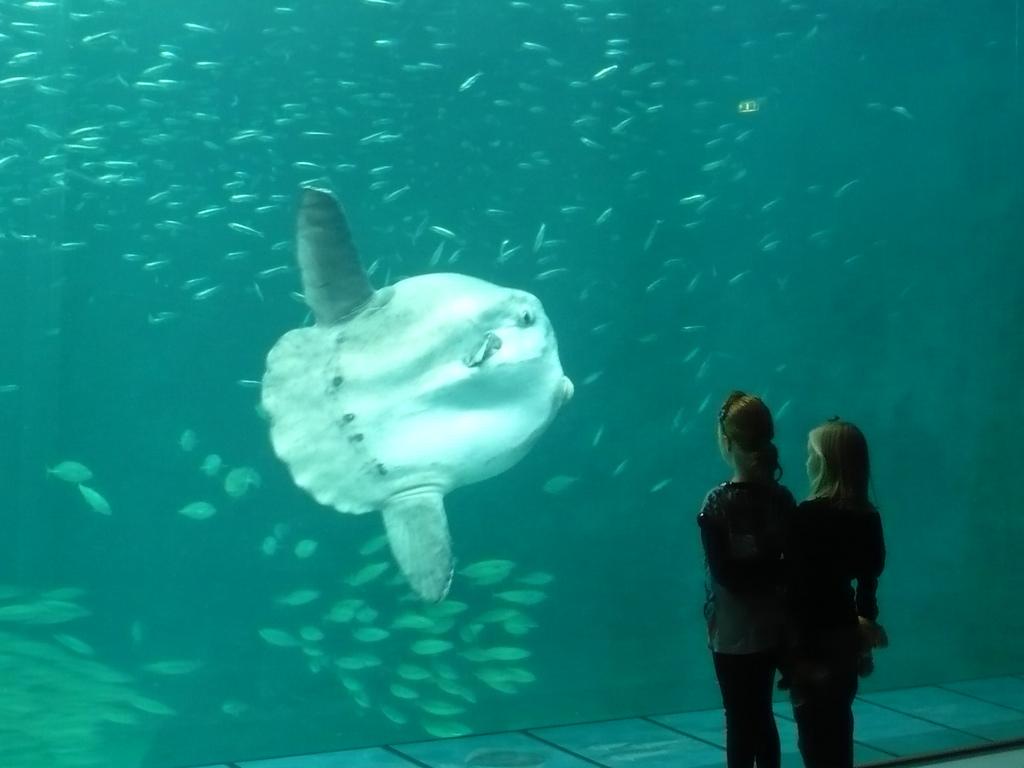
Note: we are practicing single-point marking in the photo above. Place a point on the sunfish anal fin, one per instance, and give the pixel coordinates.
(417, 530)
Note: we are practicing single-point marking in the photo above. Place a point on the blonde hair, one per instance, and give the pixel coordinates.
(843, 469)
(746, 421)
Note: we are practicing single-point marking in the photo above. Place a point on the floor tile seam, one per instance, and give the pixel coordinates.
(984, 700)
(565, 750)
(681, 732)
(405, 756)
(943, 726)
(865, 744)
(868, 745)
(874, 748)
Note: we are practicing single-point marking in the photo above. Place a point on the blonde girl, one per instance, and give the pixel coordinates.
(835, 538)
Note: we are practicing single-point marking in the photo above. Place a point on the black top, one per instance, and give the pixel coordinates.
(829, 545)
(743, 529)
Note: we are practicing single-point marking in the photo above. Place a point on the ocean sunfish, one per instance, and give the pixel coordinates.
(396, 396)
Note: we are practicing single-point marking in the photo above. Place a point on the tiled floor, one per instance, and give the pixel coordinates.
(891, 724)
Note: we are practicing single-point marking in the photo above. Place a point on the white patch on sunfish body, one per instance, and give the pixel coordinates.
(398, 396)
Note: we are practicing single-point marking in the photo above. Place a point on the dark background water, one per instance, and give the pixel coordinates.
(894, 301)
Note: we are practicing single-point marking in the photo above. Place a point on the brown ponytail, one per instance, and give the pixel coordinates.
(746, 421)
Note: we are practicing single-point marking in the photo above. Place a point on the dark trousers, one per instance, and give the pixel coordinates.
(823, 710)
(751, 737)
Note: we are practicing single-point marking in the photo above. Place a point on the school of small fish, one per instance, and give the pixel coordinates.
(422, 665)
(238, 482)
(442, 660)
(60, 704)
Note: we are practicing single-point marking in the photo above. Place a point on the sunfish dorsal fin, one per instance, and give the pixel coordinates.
(333, 279)
(417, 529)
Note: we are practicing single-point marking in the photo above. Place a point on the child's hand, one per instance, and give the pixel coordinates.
(873, 635)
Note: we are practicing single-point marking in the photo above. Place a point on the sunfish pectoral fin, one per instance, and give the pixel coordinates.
(483, 352)
(417, 530)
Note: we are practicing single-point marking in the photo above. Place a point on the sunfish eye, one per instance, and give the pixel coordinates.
(526, 318)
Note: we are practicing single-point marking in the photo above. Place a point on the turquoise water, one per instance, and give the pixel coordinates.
(849, 247)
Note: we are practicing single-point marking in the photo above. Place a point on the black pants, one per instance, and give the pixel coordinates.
(751, 737)
(823, 709)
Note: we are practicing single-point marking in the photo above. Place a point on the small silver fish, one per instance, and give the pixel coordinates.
(243, 229)
(470, 81)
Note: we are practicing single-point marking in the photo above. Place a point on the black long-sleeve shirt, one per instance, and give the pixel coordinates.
(742, 527)
(828, 546)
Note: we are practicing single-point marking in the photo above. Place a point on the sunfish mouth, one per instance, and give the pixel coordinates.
(567, 389)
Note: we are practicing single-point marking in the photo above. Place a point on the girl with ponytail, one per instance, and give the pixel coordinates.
(742, 526)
